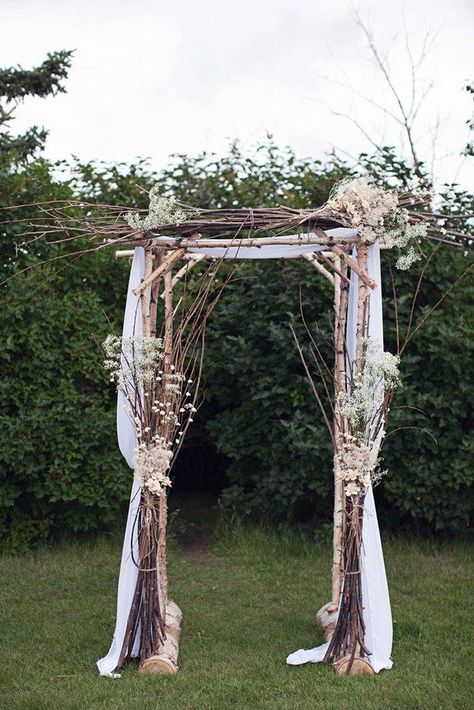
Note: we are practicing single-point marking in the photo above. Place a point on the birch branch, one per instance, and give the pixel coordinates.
(163, 268)
(362, 274)
(319, 267)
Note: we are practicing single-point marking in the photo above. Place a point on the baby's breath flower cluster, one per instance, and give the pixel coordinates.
(404, 235)
(380, 373)
(161, 211)
(374, 212)
(158, 400)
(136, 359)
(357, 462)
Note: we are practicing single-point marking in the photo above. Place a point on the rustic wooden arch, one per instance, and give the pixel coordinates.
(162, 255)
(172, 249)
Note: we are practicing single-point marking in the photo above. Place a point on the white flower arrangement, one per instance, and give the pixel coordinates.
(357, 464)
(135, 359)
(374, 212)
(152, 464)
(363, 204)
(155, 397)
(161, 211)
(362, 406)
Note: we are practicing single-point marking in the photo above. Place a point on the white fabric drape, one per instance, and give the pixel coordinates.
(127, 440)
(375, 597)
(376, 601)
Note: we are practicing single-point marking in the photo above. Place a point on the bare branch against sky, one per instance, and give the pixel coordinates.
(152, 77)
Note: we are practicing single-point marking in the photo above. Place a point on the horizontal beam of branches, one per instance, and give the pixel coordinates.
(69, 220)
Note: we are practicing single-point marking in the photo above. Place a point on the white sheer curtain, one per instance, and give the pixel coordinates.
(375, 597)
(127, 440)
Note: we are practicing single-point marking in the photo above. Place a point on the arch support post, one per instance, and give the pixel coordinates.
(327, 615)
(346, 648)
(154, 621)
(164, 658)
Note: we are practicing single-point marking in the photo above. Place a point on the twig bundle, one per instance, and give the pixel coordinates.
(109, 225)
(157, 377)
(348, 636)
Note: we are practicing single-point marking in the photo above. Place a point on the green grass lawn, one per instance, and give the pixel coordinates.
(249, 597)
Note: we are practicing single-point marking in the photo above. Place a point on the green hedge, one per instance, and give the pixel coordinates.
(59, 466)
(431, 467)
(262, 415)
(60, 469)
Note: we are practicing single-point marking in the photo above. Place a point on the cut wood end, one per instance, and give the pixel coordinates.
(137, 291)
(158, 664)
(360, 666)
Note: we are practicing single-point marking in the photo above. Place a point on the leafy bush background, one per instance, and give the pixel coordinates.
(60, 470)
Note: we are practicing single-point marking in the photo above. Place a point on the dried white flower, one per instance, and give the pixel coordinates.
(161, 211)
(374, 212)
(363, 205)
(352, 489)
(357, 464)
(151, 465)
(380, 372)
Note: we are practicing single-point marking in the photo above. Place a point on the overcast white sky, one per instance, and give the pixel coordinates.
(153, 77)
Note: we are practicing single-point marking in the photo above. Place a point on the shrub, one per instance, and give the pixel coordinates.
(60, 470)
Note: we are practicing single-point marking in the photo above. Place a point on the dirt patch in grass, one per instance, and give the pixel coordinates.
(196, 547)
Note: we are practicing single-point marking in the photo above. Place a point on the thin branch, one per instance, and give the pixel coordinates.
(438, 303)
(418, 428)
(417, 291)
(313, 387)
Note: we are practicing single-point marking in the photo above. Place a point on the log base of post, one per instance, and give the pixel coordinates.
(165, 662)
(158, 664)
(360, 666)
(327, 617)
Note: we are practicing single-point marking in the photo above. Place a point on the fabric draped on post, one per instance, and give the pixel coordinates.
(147, 623)
(376, 613)
(127, 441)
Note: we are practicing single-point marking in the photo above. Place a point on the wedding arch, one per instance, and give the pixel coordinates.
(156, 365)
